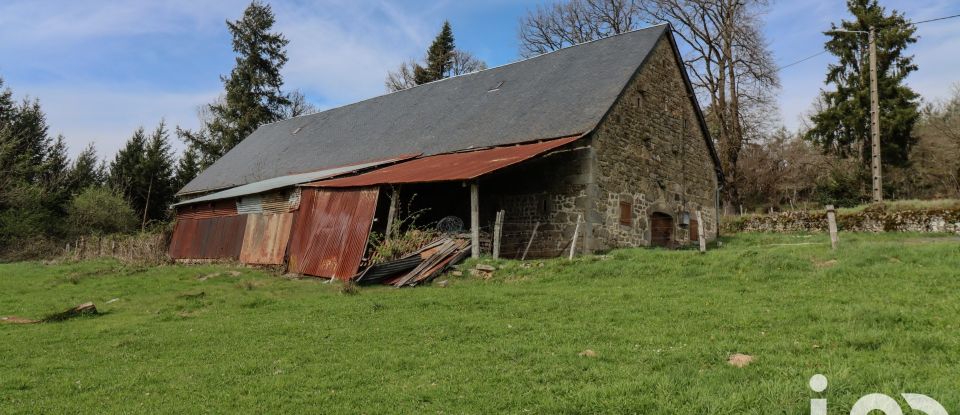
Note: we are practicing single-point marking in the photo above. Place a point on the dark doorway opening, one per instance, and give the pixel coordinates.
(661, 229)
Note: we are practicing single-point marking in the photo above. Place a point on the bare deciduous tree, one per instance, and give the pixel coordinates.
(566, 23)
(730, 64)
(404, 77)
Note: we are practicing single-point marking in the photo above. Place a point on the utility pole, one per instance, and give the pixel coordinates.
(875, 159)
(875, 120)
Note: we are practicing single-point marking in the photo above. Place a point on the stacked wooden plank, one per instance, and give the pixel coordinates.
(418, 267)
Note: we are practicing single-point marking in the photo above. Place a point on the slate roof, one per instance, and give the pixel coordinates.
(558, 94)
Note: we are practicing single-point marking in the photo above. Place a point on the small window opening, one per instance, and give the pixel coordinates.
(626, 213)
(496, 87)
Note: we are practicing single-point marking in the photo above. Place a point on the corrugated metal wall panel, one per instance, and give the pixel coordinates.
(208, 238)
(265, 239)
(281, 201)
(226, 207)
(330, 231)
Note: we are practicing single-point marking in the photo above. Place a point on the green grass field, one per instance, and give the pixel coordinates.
(880, 315)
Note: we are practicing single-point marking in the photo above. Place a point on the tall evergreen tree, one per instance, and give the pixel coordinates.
(23, 140)
(252, 90)
(86, 170)
(188, 167)
(158, 171)
(842, 125)
(439, 57)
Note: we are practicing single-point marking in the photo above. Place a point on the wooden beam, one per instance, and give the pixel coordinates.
(576, 232)
(475, 220)
(392, 213)
(497, 234)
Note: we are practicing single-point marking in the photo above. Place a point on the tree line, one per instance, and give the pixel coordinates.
(45, 197)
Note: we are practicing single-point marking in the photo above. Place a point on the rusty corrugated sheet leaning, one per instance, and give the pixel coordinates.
(208, 238)
(265, 238)
(330, 230)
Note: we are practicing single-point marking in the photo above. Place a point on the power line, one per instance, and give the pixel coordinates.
(803, 60)
(939, 18)
(825, 51)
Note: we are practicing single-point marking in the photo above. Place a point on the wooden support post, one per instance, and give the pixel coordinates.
(392, 212)
(475, 219)
(576, 233)
(701, 233)
(530, 242)
(832, 225)
(497, 234)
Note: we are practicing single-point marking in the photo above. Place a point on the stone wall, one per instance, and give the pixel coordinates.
(651, 153)
(871, 219)
(551, 191)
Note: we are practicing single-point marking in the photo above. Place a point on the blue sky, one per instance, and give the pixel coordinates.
(100, 69)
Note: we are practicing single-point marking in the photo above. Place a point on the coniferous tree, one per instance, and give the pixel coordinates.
(86, 171)
(439, 58)
(142, 172)
(252, 90)
(158, 172)
(842, 125)
(443, 60)
(188, 167)
(23, 141)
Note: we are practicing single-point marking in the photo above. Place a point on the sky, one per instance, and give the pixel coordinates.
(102, 69)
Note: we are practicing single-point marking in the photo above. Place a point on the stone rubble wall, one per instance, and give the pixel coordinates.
(652, 153)
(872, 219)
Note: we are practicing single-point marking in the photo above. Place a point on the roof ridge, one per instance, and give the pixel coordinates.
(471, 73)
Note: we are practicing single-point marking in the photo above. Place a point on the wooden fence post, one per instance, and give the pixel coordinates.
(497, 234)
(832, 225)
(576, 232)
(475, 219)
(530, 242)
(701, 235)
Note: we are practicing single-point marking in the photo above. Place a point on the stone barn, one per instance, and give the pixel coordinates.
(604, 140)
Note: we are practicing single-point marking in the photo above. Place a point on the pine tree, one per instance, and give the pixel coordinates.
(86, 170)
(23, 140)
(439, 58)
(188, 167)
(843, 124)
(252, 90)
(142, 172)
(157, 170)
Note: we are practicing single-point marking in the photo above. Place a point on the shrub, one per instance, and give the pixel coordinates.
(99, 210)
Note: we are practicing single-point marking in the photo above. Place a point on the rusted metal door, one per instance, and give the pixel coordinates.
(330, 231)
(661, 229)
(265, 238)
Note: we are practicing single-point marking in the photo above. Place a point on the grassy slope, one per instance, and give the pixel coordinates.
(884, 318)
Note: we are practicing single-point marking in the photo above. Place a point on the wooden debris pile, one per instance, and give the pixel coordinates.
(418, 267)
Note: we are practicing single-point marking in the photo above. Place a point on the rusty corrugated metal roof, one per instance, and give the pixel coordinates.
(265, 238)
(209, 238)
(330, 230)
(293, 179)
(447, 167)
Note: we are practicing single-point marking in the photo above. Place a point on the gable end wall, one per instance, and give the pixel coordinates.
(651, 152)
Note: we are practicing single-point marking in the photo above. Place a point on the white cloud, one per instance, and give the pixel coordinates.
(107, 116)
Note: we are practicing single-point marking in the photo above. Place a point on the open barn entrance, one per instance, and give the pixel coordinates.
(661, 229)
